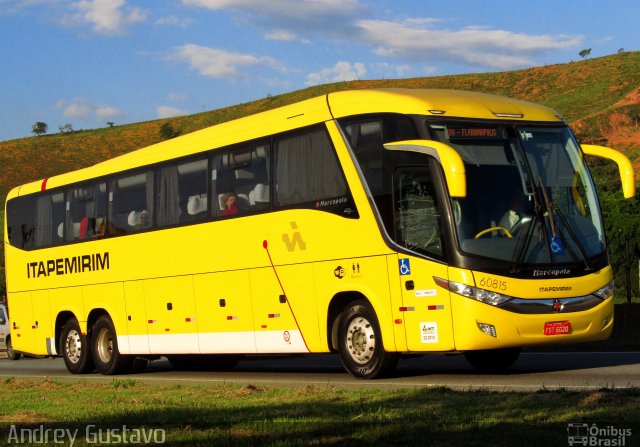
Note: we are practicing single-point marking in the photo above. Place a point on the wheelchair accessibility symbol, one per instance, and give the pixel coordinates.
(556, 245)
(405, 266)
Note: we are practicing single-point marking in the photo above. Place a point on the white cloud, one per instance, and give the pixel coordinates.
(169, 112)
(485, 47)
(175, 96)
(81, 109)
(174, 21)
(106, 16)
(106, 112)
(282, 35)
(304, 9)
(324, 17)
(342, 71)
(76, 108)
(221, 64)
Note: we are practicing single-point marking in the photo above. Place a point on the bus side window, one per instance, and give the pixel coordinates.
(418, 222)
(182, 192)
(243, 173)
(308, 173)
(86, 212)
(49, 213)
(21, 222)
(131, 203)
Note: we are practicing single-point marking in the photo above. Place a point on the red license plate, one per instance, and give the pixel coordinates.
(557, 328)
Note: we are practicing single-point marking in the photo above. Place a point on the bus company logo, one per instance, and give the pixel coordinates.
(339, 272)
(592, 435)
(332, 202)
(550, 272)
(66, 266)
(295, 240)
(555, 289)
(557, 306)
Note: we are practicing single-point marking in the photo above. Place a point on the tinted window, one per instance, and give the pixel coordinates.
(21, 222)
(308, 174)
(240, 180)
(86, 212)
(130, 203)
(182, 192)
(417, 211)
(49, 216)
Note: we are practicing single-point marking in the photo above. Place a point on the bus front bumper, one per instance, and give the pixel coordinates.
(481, 326)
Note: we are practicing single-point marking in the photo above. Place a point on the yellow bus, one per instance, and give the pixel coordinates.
(371, 223)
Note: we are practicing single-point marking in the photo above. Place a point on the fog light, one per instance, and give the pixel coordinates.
(488, 329)
(606, 321)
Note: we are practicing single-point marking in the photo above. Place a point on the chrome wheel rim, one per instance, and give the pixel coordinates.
(361, 340)
(104, 345)
(73, 346)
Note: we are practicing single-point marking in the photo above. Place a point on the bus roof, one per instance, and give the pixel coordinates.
(447, 103)
(450, 103)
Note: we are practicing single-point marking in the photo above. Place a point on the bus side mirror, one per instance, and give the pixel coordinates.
(624, 165)
(447, 156)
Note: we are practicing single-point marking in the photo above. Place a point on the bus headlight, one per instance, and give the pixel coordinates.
(482, 295)
(606, 291)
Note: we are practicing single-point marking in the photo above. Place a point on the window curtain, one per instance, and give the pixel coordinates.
(168, 196)
(149, 186)
(307, 170)
(44, 220)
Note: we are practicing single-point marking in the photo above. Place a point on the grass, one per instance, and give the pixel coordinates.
(251, 415)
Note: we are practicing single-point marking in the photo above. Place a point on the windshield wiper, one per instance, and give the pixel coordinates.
(538, 218)
(574, 236)
(555, 242)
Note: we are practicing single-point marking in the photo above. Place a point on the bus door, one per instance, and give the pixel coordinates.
(426, 307)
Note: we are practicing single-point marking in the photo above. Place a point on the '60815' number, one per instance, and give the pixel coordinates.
(493, 283)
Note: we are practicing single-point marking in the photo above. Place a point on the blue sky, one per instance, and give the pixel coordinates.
(88, 62)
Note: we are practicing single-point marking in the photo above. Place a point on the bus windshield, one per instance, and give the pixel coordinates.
(530, 198)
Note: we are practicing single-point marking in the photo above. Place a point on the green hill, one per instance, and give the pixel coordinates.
(599, 97)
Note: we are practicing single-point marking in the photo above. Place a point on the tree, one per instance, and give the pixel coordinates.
(39, 128)
(67, 128)
(110, 123)
(167, 132)
(585, 53)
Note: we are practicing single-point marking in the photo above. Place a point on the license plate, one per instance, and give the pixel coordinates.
(557, 328)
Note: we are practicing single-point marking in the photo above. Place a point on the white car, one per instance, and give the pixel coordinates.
(5, 336)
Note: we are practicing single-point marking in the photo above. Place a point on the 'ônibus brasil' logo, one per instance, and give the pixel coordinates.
(66, 266)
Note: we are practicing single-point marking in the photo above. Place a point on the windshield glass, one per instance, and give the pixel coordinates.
(530, 198)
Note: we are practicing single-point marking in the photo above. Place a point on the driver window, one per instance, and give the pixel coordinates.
(417, 219)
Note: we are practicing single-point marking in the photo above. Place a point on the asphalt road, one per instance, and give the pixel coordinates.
(532, 371)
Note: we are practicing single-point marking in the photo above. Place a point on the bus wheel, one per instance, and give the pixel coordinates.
(360, 343)
(11, 354)
(106, 355)
(492, 360)
(75, 348)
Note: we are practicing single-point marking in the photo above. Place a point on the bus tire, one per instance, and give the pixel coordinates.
(106, 355)
(11, 353)
(75, 348)
(492, 360)
(360, 343)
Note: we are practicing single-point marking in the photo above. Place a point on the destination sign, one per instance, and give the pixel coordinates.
(475, 132)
